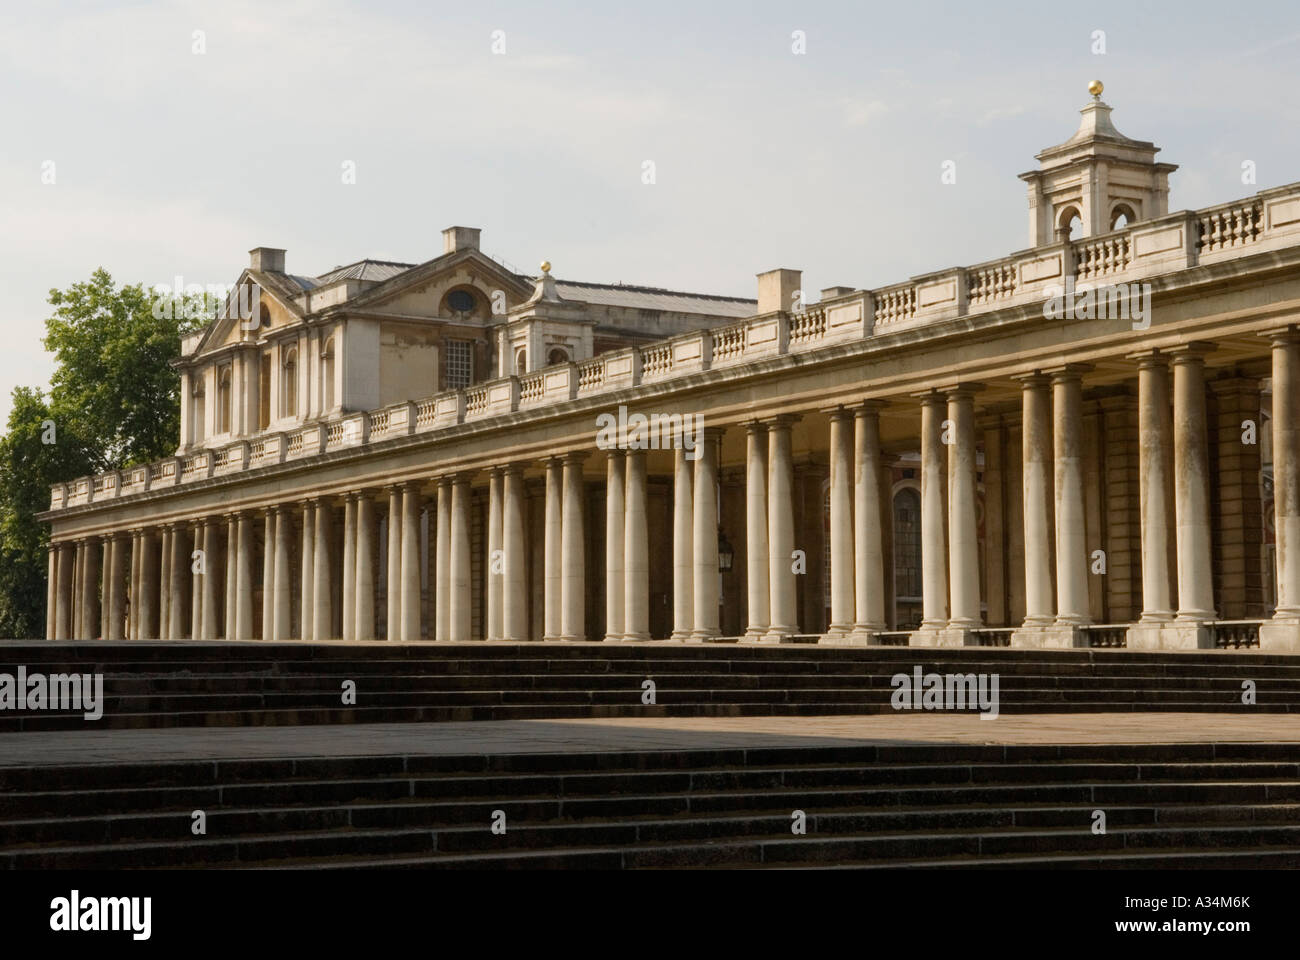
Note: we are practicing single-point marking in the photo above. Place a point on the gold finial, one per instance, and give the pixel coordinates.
(1095, 88)
(546, 266)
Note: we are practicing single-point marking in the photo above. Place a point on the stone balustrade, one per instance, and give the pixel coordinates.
(1179, 240)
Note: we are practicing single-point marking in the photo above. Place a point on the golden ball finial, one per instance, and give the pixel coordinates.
(1095, 88)
(546, 266)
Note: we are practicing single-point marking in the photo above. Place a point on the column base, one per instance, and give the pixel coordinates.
(837, 633)
(704, 636)
(944, 636)
(1280, 635)
(1057, 636)
(754, 635)
(777, 635)
(1170, 635)
(681, 636)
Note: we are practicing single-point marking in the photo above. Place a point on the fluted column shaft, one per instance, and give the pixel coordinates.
(684, 543)
(1036, 473)
(615, 587)
(756, 553)
(636, 550)
(1155, 430)
(1071, 530)
(574, 547)
(514, 581)
(868, 520)
(841, 520)
(963, 523)
(1192, 486)
(365, 575)
(934, 574)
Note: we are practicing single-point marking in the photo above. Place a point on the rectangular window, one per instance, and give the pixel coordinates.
(264, 392)
(459, 369)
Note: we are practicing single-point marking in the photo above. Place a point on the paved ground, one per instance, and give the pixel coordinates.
(607, 735)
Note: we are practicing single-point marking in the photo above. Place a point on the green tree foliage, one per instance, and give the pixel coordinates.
(113, 402)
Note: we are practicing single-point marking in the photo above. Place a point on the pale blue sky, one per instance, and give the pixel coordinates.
(173, 163)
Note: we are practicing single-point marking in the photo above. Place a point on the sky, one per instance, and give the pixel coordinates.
(801, 134)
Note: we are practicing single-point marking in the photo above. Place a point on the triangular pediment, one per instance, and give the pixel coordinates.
(423, 290)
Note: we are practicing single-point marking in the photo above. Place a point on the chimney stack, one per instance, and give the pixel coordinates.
(460, 238)
(779, 290)
(266, 258)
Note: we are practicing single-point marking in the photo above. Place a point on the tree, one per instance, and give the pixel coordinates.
(113, 402)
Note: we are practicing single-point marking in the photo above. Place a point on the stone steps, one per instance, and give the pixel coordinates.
(919, 806)
(154, 684)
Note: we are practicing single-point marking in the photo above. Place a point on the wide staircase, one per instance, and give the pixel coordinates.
(252, 684)
(1165, 805)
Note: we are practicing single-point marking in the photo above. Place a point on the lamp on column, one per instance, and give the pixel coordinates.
(726, 555)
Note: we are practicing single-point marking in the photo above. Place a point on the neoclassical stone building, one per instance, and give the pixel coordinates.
(1094, 441)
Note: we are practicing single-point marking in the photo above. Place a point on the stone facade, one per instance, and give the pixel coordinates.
(403, 452)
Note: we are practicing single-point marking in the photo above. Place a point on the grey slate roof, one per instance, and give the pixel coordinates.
(655, 298)
(378, 270)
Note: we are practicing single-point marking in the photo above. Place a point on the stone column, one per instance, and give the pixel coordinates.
(411, 508)
(232, 576)
(322, 627)
(442, 564)
(615, 587)
(63, 596)
(459, 620)
(244, 578)
(1071, 526)
(843, 576)
(683, 544)
(756, 552)
(1282, 633)
(268, 574)
(281, 623)
(196, 579)
(90, 591)
(1036, 474)
(52, 592)
(869, 519)
(179, 570)
(364, 628)
(394, 625)
(704, 529)
(934, 576)
(307, 606)
(1155, 432)
(211, 570)
(573, 545)
(492, 566)
(553, 576)
(148, 588)
(1192, 489)
(349, 584)
(636, 551)
(963, 523)
(783, 608)
(514, 579)
(164, 581)
(115, 583)
(76, 589)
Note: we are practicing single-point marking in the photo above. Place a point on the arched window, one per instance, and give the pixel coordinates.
(327, 373)
(557, 355)
(1121, 216)
(289, 384)
(907, 558)
(223, 400)
(200, 410)
(1069, 226)
(521, 361)
(464, 302)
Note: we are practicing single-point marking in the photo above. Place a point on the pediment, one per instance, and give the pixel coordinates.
(423, 291)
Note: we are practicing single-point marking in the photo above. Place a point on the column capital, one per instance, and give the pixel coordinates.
(1151, 357)
(837, 412)
(779, 420)
(1194, 352)
(865, 407)
(961, 389)
(930, 396)
(1035, 379)
(1282, 336)
(1066, 372)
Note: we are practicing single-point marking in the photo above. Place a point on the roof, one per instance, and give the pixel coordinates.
(655, 298)
(377, 270)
